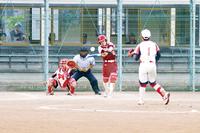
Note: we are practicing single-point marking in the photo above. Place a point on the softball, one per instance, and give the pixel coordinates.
(92, 49)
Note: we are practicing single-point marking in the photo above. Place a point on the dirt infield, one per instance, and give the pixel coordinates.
(34, 112)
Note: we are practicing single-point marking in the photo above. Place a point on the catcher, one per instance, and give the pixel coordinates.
(148, 53)
(62, 77)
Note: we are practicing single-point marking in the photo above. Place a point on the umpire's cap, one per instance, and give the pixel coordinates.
(84, 49)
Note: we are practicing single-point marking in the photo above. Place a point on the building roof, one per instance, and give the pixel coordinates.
(95, 2)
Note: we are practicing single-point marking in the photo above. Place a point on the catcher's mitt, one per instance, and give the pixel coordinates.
(130, 52)
(71, 64)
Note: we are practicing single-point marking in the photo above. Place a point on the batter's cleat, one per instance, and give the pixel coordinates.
(166, 98)
(105, 95)
(140, 102)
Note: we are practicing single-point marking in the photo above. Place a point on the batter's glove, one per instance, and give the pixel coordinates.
(130, 52)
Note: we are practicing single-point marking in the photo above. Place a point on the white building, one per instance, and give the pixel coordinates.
(169, 20)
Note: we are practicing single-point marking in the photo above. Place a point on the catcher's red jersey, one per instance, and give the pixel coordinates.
(109, 47)
(63, 77)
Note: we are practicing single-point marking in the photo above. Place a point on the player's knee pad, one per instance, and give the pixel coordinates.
(156, 86)
(113, 77)
(152, 84)
(143, 84)
(105, 79)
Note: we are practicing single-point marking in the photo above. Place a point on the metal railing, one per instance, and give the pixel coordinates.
(168, 63)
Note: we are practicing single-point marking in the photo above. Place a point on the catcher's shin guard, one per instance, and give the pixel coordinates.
(71, 86)
(50, 90)
(72, 90)
(52, 84)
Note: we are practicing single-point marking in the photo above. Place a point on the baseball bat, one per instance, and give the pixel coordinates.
(94, 55)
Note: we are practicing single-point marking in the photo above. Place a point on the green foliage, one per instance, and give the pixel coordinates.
(12, 20)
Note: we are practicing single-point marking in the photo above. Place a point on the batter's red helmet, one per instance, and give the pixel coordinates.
(101, 38)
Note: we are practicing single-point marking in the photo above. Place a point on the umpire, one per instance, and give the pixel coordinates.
(85, 64)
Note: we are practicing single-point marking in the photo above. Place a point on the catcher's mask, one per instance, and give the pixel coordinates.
(84, 52)
(63, 64)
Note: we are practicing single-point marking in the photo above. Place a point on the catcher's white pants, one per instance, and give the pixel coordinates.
(147, 72)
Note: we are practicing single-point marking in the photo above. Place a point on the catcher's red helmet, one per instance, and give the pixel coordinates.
(101, 38)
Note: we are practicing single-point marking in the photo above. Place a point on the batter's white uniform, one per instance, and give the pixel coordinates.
(147, 69)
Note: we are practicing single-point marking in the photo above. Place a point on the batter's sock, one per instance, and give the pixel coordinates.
(111, 88)
(106, 88)
(159, 89)
(141, 93)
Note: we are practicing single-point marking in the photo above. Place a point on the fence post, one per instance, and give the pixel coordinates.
(26, 60)
(10, 61)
